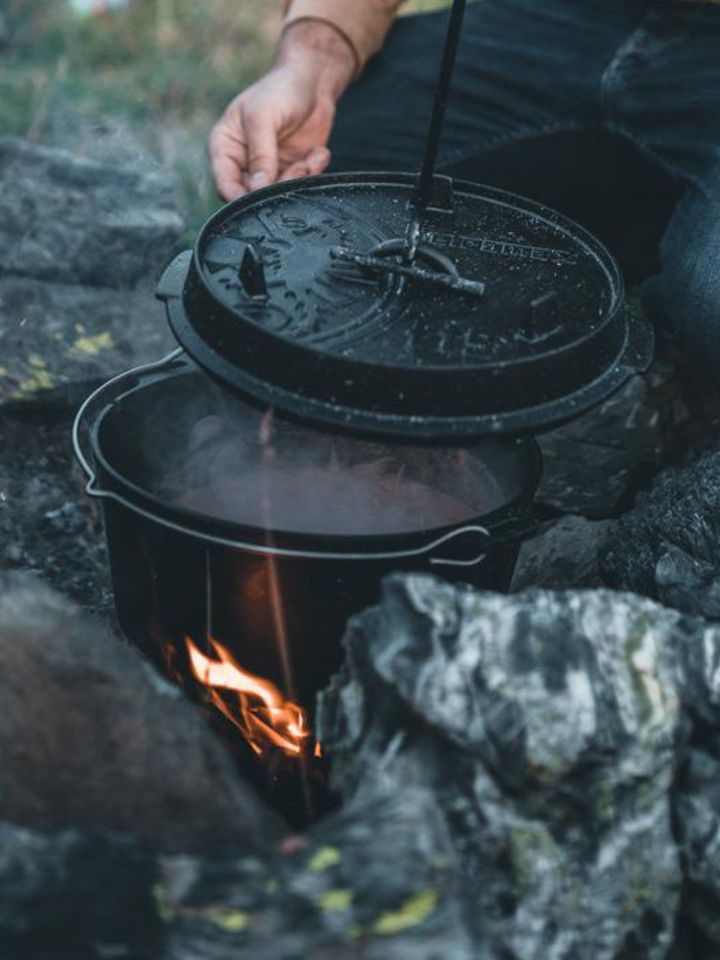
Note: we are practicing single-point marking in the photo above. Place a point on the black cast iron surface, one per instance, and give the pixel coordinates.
(526, 325)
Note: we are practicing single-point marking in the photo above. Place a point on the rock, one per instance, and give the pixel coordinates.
(82, 245)
(91, 737)
(688, 584)
(668, 547)
(4, 31)
(565, 555)
(549, 728)
(378, 880)
(75, 896)
(696, 797)
(58, 341)
(67, 220)
(595, 462)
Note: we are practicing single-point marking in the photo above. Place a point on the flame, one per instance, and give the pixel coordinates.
(262, 714)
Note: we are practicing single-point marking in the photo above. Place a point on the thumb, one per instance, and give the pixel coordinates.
(262, 149)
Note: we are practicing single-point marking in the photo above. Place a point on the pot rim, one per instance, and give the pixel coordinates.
(254, 539)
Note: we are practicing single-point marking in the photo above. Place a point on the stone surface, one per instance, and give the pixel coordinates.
(594, 463)
(68, 220)
(75, 896)
(525, 776)
(82, 244)
(565, 555)
(668, 546)
(550, 727)
(532, 776)
(90, 736)
(58, 341)
(377, 881)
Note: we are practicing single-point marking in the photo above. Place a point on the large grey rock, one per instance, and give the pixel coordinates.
(58, 340)
(697, 787)
(81, 244)
(550, 728)
(595, 462)
(65, 219)
(75, 896)
(566, 554)
(90, 736)
(668, 546)
(525, 776)
(377, 881)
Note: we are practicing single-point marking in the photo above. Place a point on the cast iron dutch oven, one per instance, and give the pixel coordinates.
(506, 319)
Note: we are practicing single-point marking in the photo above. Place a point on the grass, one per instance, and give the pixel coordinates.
(142, 85)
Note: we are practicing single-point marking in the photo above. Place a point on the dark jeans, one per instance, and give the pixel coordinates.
(606, 109)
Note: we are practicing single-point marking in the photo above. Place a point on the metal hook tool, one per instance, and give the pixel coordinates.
(427, 186)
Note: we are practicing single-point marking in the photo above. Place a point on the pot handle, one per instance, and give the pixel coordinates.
(81, 432)
(171, 283)
(449, 538)
(518, 528)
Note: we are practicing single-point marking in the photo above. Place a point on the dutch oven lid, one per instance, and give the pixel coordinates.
(303, 296)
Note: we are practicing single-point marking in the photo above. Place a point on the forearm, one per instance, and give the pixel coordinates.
(362, 23)
(333, 58)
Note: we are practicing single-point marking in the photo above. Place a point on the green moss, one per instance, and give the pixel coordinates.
(414, 911)
(527, 846)
(605, 803)
(336, 901)
(324, 858)
(227, 919)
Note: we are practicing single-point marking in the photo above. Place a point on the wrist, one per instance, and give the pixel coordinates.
(322, 46)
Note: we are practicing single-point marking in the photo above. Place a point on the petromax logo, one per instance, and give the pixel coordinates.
(504, 248)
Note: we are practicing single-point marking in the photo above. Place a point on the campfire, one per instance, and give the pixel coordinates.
(261, 713)
(337, 727)
(472, 737)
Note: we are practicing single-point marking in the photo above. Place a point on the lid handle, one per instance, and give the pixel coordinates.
(251, 273)
(424, 190)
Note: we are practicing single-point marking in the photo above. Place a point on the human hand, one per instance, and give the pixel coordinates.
(279, 127)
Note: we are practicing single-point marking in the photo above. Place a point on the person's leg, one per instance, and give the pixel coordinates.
(525, 114)
(525, 69)
(686, 293)
(665, 96)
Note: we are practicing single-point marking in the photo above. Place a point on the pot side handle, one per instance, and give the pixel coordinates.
(89, 411)
(538, 517)
(475, 530)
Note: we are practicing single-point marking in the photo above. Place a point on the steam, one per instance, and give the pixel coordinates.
(319, 483)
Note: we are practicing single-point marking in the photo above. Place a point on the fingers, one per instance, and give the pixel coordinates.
(318, 160)
(262, 149)
(314, 163)
(227, 161)
(243, 152)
